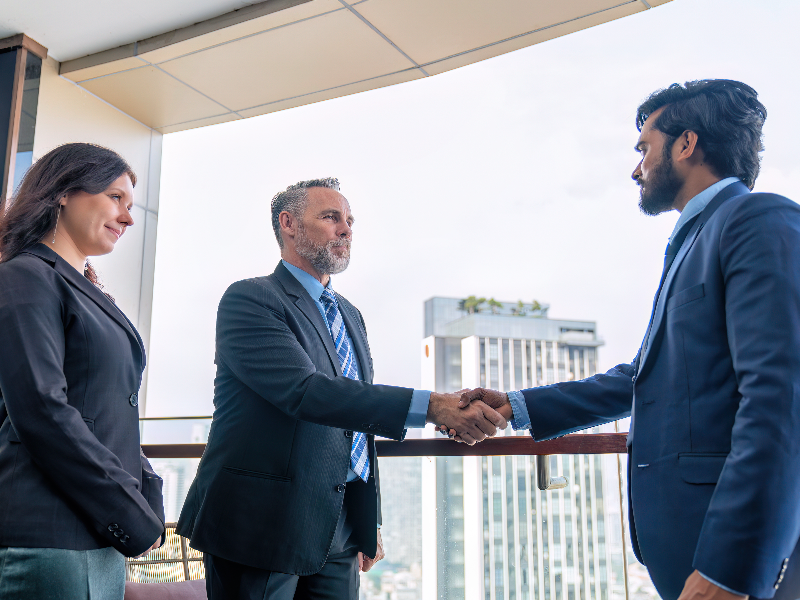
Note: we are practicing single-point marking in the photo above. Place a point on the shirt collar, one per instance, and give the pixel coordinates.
(696, 205)
(309, 282)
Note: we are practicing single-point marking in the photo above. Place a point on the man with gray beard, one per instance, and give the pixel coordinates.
(286, 501)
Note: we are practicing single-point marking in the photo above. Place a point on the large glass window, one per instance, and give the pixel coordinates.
(27, 122)
(518, 385)
(506, 366)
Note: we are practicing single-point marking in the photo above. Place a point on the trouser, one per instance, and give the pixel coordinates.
(58, 574)
(337, 580)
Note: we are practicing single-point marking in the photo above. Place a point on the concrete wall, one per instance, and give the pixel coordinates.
(68, 113)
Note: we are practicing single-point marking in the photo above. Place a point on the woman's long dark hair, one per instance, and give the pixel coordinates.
(32, 212)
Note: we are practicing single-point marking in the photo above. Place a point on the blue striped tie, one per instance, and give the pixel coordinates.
(359, 457)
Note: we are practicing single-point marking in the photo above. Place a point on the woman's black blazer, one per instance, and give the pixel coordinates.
(72, 474)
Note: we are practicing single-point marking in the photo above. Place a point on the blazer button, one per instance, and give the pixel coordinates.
(134, 399)
(348, 434)
(340, 488)
(633, 379)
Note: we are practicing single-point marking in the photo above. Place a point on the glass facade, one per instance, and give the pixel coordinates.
(530, 544)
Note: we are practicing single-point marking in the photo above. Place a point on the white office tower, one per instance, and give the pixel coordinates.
(495, 536)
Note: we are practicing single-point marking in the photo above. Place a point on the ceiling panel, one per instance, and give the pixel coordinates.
(80, 27)
(153, 97)
(276, 54)
(108, 68)
(199, 123)
(305, 57)
(534, 38)
(428, 30)
(239, 30)
(354, 88)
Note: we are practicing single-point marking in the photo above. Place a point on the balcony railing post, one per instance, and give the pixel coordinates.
(543, 479)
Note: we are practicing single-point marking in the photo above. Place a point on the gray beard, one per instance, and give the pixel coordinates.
(322, 257)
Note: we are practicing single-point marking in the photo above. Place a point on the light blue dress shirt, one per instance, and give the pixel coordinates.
(693, 208)
(420, 399)
(696, 205)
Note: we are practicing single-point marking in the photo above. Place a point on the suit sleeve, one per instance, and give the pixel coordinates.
(152, 490)
(53, 432)
(753, 523)
(570, 406)
(255, 342)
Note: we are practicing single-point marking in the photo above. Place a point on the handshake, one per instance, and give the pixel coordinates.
(469, 416)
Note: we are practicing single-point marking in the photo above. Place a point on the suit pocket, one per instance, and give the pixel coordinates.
(685, 296)
(701, 468)
(246, 473)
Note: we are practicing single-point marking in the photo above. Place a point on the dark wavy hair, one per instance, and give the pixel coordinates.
(726, 115)
(31, 213)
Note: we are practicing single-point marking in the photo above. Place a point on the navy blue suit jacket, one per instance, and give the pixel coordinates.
(715, 445)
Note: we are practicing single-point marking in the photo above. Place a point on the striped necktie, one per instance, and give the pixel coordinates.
(359, 456)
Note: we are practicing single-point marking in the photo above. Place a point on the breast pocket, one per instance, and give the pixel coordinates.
(685, 296)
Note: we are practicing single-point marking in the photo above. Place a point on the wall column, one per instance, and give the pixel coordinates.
(20, 72)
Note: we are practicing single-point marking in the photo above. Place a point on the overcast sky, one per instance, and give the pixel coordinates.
(508, 178)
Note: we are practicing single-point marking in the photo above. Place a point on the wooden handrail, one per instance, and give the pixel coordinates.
(577, 443)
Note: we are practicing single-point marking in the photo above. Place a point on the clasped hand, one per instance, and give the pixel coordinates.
(469, 416)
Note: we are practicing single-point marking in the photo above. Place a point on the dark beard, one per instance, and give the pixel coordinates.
(662, 187)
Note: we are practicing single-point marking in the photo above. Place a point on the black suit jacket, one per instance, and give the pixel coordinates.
(269, 489)
(72, 474)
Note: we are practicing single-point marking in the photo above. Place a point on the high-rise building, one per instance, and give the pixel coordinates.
(496, 535)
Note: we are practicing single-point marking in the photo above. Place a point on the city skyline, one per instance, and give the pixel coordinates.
(507, 178)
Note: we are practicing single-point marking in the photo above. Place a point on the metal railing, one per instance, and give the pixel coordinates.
(180, 562)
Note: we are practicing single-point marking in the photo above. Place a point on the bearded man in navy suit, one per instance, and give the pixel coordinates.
(714, 391)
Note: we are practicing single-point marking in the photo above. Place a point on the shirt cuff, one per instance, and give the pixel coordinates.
(418, 411)
(522, 419)
(719, 585)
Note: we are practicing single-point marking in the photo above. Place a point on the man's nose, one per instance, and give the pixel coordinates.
(346, 231)
(637, 172)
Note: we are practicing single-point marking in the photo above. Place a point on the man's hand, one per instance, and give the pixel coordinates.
(497, 400)
(473, 423)
(698, 587)
(157, 544)
(492, 398)
(365, 563)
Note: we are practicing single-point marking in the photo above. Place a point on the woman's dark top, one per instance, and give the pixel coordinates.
(72, 474)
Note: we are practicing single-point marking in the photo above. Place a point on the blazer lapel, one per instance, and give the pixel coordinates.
(306, 305)
(658, 315)
(357, 336)
(659, 308)
(86, 287)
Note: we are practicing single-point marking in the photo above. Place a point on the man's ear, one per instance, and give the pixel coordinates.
(288, 224)
(687, 147)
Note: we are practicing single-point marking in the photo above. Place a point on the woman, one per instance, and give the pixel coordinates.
(76, 494)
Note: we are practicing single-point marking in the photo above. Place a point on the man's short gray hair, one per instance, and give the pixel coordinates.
(294, 200)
